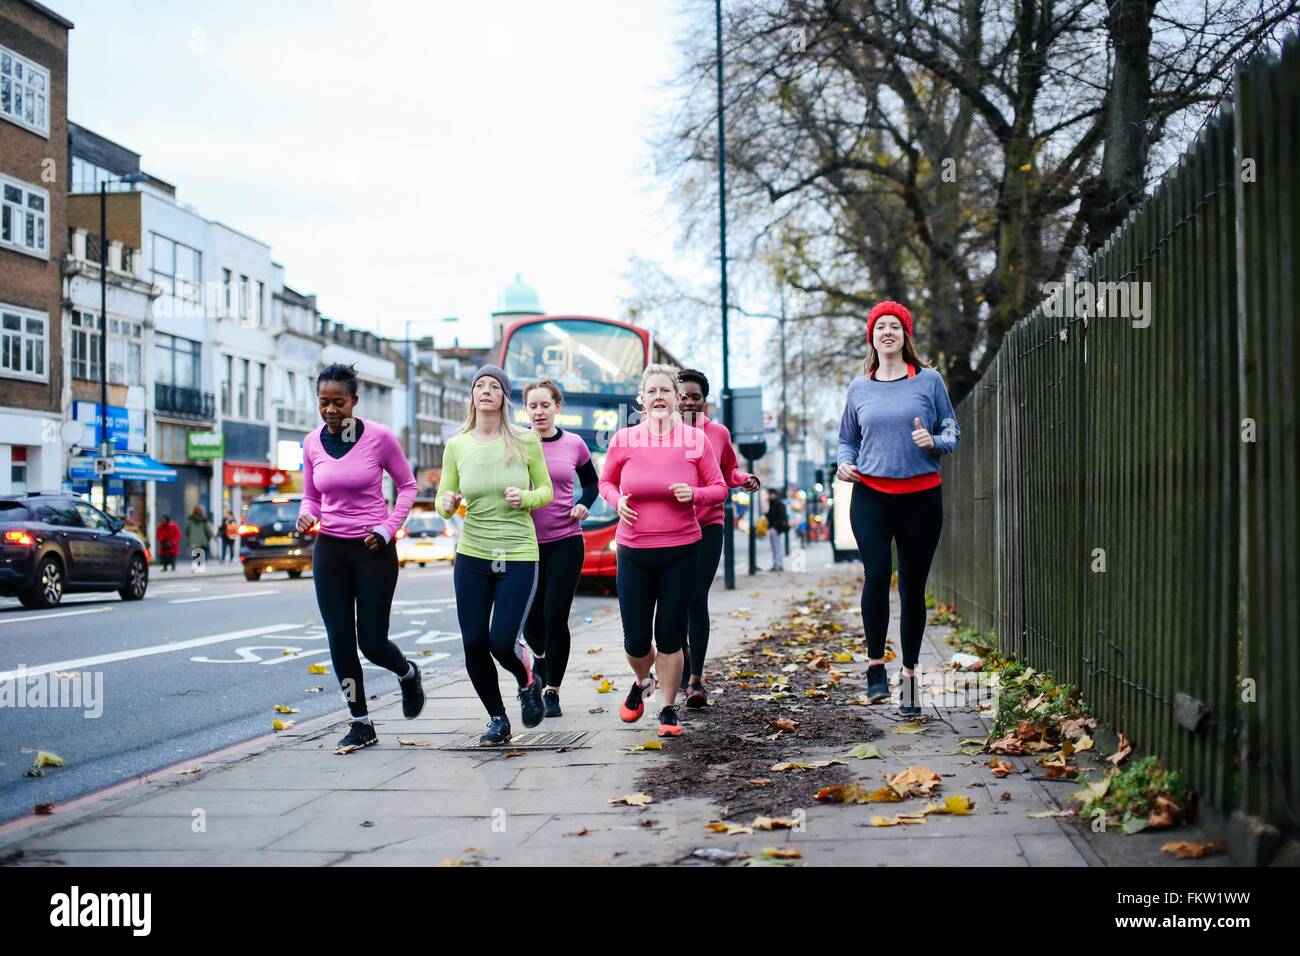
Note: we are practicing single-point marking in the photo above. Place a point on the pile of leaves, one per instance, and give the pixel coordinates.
(1143, 796)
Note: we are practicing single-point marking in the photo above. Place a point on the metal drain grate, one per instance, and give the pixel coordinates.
(525, 741)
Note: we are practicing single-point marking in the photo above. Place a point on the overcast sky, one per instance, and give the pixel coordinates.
(403, 159)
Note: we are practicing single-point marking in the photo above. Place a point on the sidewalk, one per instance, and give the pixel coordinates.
(293, 801)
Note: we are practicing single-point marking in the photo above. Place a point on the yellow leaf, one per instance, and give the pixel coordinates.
(778, 853)
(605, 686)
(316, 669)
(403, 742)
(728, 829)
(281, 709)
(278, 725)
(772, 823)
(593, 650)
(46, 759)
(882, 822)
(189, 770)
(648, 745)
(633, 799)
(958, 804)
(842, 657)
(1083, 743)
(911, 727)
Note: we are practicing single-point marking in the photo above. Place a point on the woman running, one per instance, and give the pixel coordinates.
(489, 466)
(354, 559)
(897, 421)
(693, 405)
(656, 473)
(559, 540)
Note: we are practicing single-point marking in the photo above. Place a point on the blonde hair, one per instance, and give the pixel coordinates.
(512, 433)
(658, 368)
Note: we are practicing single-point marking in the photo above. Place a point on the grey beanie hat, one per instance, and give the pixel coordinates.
(497, 373)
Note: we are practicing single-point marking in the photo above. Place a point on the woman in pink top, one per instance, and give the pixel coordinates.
(354, 559)
(655, 475)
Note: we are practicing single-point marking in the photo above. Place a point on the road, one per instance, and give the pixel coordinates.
(197, 666)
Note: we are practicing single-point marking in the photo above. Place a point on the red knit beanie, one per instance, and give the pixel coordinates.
(896, 309)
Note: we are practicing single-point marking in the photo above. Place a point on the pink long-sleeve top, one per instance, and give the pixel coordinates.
(643, 465)
(347, 494)
(720, 439)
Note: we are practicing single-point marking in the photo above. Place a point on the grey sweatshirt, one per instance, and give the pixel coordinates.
(878, 420)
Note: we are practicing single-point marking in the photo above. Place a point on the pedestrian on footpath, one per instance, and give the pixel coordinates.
(778, 523)
(559, 539)
(229, 530)
(897, 421)
(490, 466)
(198, 531)
(169, 542)
(693, 406)
(656, 473)
(354, 559)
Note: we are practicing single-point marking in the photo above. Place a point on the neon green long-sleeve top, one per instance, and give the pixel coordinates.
(478, 471)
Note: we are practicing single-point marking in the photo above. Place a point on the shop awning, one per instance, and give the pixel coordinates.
(130, 467)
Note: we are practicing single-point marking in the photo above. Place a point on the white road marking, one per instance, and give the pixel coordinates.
(150, 651)
(46, 617)
(432, 638)
(225, 597)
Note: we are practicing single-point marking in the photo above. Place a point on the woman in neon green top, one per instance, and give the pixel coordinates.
(490, 466)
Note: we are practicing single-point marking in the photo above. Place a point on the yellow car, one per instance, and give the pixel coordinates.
(426, 538)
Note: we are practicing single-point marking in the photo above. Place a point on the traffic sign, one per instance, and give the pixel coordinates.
(105, 466)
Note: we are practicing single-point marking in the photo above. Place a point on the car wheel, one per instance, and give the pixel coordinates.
(296, 573)
(48, 590)
(137, 581)
(252, 575)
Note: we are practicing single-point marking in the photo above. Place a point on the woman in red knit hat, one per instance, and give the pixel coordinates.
(897, 421)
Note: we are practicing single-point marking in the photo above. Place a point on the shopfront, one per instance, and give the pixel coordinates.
(188, 451)
(244, 481)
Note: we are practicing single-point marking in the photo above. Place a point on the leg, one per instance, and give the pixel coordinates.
(336, 596)
(474, 588)
(869, 515)
(920, 521)
(680, 566)
(563, 572)
(535, 622)
(697, 618)
(636, 606)
(778, 563)
(514, 590)
(376, 573)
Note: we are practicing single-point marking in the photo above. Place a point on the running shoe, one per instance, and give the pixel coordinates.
(498, 732)
(412, 693)
(530, 703)
(634, 707)
(361, 734)
(551, 701)
(909, 700)
(696, 697)
(668, 723)
(877, 683)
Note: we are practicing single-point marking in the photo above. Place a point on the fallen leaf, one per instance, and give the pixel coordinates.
(1121, 753)
(815, 693)
(785, 723)
(367, 823)
(403, 742)
(727, 829)
(316, 669)
(767, 861)
(1187, 850)
(513, 752)
(633, 799)
(865, 752)
(912, 727)
(282, 709)
(914, 782)
(759, 781)
(1001, 767)
(1043, 814)
(958, 804)
(605, 686)
(772, 823)
(1083, 743)
(278, 725)
(189, 770)
(593, 650)
(347, 749)
(43, 809)
(648, 745)
(584, 831)
(853, 793)
(842, 657)
(46, 759)
(779, 853)
(596, 710)
(800, 765)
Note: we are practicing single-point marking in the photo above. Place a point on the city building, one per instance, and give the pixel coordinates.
(33, 237)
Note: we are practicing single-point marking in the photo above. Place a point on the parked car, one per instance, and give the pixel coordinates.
(425, 538)
(56, 544)
(270, 539)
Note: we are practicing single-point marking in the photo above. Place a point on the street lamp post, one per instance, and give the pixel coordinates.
(105, 442)
(729, 516)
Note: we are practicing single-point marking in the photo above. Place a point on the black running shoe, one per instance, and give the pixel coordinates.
(909, 699)
(696, 697)
(361, 734)
(498, 732)
(877, 683)
(530, 703)
(412, 693)
(551, 701)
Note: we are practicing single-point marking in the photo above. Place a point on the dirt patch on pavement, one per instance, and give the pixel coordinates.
(788, 694)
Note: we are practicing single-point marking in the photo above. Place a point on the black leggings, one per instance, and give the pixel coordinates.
(492, 601)
(914, 521)
(354, 590)
(559, 566)
(654, 594)
(697, 619)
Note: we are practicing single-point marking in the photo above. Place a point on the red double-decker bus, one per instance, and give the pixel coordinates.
(598, 365)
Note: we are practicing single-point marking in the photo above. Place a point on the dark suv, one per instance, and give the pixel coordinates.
(270, 537)
(52, 544)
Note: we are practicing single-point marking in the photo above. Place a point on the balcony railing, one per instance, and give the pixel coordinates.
(186, 402)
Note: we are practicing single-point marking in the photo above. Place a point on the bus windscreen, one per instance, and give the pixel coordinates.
(582, 357)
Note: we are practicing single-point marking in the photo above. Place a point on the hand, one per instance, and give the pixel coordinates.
(625, 509)
(451, 501)
(681, 491)
(579, 513)
(306, 523)
(847, 473)
(514, 496)
(751, 483)
(375, 542)
(922, 437)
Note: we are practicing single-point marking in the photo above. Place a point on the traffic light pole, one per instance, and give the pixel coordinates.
(729, 515)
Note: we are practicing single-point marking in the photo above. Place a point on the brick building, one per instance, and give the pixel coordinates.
(33, 238)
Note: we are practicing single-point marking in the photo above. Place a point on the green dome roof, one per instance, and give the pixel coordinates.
(518, 298)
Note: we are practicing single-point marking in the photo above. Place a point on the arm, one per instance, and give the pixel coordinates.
(543, 490)
(590, 482)
(731, 472)
(944, 430)
(612, 474)
(395, 464)
(450, 480)
(850, 433)
(712, 489)
(310, 507)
